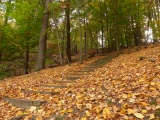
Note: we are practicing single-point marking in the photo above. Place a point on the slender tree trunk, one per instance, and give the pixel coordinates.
(86, 30)
(85, 38)
(26, 58)
(149, 19)
(59, 38)
(68, 51)
(43, 39)
(93, 40)
(80, 33)
(116, 25)
(102, 26)
(64, 34)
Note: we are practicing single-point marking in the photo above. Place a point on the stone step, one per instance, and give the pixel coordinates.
(53, 86)
(18, 117)
(98, 66)
(70, 78)
(90, 67)
(85, 71)
(40, 92)
(63, 81)
(78, 74)
(62, 117)
(24, 103)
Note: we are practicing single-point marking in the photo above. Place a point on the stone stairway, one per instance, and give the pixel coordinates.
(26, 103)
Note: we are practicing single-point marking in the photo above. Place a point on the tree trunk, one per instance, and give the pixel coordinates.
(68, 52)
(80, 33)
(116, 26)
(43, 39)
(59, 38)
(102, 26)
(93, 40)
(85, 38)
(26, 58)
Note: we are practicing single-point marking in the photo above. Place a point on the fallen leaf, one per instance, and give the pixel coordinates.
(32, 108)
(151, 117)
(138, 115)
(84, 118)
(106, 111)
(130, 111)
(89, 105)
(124, 96)
(88, 113)
(144, 111)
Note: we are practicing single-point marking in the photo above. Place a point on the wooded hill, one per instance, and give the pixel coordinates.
(32, 31)
(115, 87)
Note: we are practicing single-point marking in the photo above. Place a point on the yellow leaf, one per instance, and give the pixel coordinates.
(89, 105)
(129, 95)
(124, 96)
(88, 113)
(131, 100)
(39, 118)
(62, 101)
(123, 111)
(59, 104)
(141, 80)
(152, 83)
(138, 115)
(144, 104)
(98, 110)
(125, 105)
(84, 118)
(32, 108)
(48, 112)
(130, 111)
(63, 111)
(106, 111)
(19, 113)
(144, 111)
(40, 110)
(152, 88)
(78, 96)
(70, 110)
(151, 117)
(157, 107)
(79, 106)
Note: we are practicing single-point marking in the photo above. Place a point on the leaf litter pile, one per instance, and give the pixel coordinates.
(127, 88)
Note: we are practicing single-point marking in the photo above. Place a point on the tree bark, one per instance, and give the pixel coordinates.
(59, 38)
(80, 33)
(68, 51)
(26, 58)
(102, 26)
(85, 38)
(43, 38)
(116, 26)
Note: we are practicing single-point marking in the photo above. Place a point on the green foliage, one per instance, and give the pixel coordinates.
(28, 15)
(4, 71)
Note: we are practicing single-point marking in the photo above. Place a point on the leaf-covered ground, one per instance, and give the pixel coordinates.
(126, 88)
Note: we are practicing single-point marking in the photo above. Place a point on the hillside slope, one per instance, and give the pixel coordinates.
(128, 87)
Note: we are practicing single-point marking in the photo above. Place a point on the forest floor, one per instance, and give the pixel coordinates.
(125, 87)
